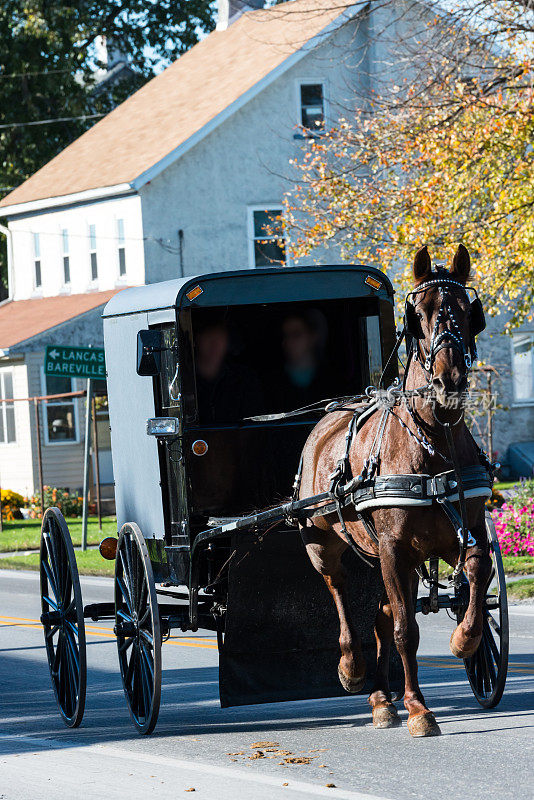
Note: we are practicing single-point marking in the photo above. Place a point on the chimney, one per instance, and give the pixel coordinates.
(230, 10)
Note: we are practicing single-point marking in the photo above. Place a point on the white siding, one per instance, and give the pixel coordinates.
(76, 221)
(15, 458)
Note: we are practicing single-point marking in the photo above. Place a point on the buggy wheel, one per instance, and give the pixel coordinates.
(488, 667)
(137, 628)
(62, 617)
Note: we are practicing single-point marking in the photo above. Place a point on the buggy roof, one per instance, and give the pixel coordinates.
(241, 287)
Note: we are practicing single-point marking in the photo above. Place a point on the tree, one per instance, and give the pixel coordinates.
(446, 158)
(48, 59)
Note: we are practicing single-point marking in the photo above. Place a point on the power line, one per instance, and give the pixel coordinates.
(48, 121)
(26, 74)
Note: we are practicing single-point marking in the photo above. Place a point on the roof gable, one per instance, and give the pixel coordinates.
(187, 100)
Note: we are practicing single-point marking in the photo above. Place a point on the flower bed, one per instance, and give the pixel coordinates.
(514, 522)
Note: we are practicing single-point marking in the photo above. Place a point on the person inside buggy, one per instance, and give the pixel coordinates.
(254, 360)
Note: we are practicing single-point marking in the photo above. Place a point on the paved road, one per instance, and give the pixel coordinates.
(481, 753)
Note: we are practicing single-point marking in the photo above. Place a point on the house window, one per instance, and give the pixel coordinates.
(37, 259)
(7, 410)
(92, 252)
(312, 114)
(121, 248)
(66, 256)
(60, 419)
(268, 238)
(523, 366)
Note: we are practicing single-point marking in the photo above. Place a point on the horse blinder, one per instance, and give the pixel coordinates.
(477, 320)
(412, 323)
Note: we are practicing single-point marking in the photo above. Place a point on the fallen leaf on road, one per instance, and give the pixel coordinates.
(330, 785)
(192, 789)
(264, 744)
(298, 760)
(258, 754)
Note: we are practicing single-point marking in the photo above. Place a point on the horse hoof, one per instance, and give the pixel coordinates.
(386, 717)
(465, 649)
(423, 724)
(351, 685)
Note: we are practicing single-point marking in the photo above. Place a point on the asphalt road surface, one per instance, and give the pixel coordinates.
(197, 745)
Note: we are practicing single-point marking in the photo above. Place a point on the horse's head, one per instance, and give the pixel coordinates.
(442, 321)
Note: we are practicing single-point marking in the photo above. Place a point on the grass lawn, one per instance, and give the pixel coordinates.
(521, 590)
(505, 485)
(24, 534)
(89, 562)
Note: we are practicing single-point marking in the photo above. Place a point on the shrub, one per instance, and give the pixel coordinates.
(69, 503)
(514, 522)
(12, 502)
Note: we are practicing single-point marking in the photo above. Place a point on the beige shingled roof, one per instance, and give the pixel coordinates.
(180, 101)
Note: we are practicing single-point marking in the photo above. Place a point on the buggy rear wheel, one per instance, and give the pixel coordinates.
(488, 667)
(137, 627)
(62, 617)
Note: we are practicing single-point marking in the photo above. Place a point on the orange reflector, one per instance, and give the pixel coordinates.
(199, 447)
(194, 293)
(108, 548)
(370, 281)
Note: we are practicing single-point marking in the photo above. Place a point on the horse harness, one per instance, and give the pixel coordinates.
(368, 490)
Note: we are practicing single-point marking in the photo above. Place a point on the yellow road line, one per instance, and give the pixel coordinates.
(93, 630)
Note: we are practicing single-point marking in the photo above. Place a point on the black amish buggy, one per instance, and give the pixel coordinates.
(204, 460)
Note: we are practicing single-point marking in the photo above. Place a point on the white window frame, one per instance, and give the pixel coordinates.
(326, 106)
(529, 401)
(3, 408)
(52, 403)
(93, 280)
(65, 253)
(121, 245)
(37, 259)
(272, 206)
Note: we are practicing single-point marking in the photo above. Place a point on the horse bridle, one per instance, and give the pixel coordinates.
(449, 337)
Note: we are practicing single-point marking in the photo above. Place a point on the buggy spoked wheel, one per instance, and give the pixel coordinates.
(488, 667)
(137, 628)
(62, 617)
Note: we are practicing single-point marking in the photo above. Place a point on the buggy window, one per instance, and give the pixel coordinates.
(252, 360)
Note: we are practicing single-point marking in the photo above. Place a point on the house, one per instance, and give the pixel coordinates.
(187, 176)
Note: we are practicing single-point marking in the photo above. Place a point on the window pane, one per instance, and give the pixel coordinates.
(312, 105)
(523, 367)
(120, 231)
(2, 430)
(92, 237)
(37, 273)
(66, 269)
(60, 422)
(65, 238)
(55, 384)
(36, 246)
(375, 349)
(266, 223)
(269, 252)
(8, 385)
(94, 267)
(10, 423)
(122, 261)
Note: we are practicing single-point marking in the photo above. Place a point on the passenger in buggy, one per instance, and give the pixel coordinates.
(226, 391)
(304, 377)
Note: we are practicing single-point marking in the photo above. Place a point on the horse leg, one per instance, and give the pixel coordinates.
(399, 579)
(325, 550)
(467, 636)
(384, 712)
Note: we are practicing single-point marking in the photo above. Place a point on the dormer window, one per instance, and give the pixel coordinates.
(312, 107)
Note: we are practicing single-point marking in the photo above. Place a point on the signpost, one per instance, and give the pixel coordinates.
(79, 362)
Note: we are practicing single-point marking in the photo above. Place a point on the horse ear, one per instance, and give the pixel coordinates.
(422, 266)
(461, 264)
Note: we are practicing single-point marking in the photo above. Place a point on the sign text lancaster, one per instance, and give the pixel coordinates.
(75, 362)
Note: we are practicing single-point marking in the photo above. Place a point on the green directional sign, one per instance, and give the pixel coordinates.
(75, 362)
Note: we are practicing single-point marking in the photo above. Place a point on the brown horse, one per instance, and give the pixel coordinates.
(407, 536)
